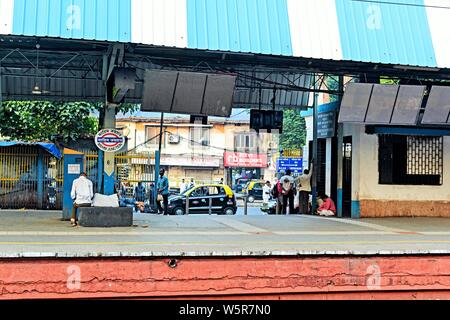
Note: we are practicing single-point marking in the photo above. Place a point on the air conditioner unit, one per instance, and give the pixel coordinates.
(174, 139)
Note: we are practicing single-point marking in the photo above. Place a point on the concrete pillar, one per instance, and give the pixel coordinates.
(108, 157)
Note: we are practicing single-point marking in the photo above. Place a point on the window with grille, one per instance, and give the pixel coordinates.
(245, 142)
(152, 136)
(200, 136)
(410, 160)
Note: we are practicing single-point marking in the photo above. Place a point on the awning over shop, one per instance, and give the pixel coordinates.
(49, 147)
(376, 104)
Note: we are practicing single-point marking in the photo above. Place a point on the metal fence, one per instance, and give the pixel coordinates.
(33, 179)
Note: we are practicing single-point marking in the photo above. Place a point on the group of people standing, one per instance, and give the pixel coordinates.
(288, 187)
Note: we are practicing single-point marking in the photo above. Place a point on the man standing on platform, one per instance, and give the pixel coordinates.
(304, 186)
(163, 192)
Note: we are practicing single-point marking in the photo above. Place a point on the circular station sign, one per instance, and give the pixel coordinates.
(110, 140)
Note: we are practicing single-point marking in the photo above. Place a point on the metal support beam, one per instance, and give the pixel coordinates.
(340, 156)
(315, 147)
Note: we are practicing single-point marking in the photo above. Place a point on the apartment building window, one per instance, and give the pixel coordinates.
(153, 134)
(200, 136)
(245, 142)
(410, 160)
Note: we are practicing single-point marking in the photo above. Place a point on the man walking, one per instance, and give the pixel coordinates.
(163, 190)
(304, 187)
(288, 191)
(82, 193)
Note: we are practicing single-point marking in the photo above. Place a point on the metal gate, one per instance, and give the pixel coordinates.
(29, 177)
(132, 168)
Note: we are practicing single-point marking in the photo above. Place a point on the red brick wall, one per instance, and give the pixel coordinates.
(378, 208)
(400, 277)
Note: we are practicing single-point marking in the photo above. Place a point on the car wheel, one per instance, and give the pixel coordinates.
(251, 199)
(229, 211)
(178, 211)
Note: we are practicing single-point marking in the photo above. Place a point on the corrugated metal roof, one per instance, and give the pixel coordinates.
(386, 32)
(76, 82)
(257, 26)
(250, 97)
(108, 20)
(403, 32)
(315, 29)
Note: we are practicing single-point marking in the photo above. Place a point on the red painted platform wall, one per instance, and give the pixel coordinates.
(400, 277)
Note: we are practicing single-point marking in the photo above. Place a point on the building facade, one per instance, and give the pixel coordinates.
(203, 152)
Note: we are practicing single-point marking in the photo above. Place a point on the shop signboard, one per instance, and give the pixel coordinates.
(245, 160)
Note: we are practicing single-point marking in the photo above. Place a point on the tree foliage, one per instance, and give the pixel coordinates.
(294, 130)
(43, 120)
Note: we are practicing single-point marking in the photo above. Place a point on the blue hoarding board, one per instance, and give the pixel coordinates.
(295, 164)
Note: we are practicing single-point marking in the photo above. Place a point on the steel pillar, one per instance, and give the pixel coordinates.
(315, 150)
(340, 155)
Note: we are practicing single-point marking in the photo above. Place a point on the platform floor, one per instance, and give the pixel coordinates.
(43, 234)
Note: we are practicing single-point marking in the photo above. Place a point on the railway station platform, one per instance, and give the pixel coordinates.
(225, 257)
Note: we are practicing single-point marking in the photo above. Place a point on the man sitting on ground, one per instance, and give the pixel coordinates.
(327, 208)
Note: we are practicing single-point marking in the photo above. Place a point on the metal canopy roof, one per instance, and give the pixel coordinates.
(72, 70)
(401, 32)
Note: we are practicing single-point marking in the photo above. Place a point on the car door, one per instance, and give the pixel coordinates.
(219, 199)
(197, 201)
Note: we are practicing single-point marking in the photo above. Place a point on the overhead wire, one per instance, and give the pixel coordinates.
(402, 4)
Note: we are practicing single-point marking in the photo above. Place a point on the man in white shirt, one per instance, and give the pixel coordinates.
(304, 186)
(266, 192)
(183, 186)
(81, 194)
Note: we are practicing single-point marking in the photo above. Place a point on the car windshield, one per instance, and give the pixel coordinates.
(185, 192)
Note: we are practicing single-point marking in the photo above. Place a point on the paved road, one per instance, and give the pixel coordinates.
(44, 234)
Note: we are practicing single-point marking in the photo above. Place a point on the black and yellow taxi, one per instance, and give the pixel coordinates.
(254, 190)
(219, 196)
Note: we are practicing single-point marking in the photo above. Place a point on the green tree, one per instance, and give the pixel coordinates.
(43, 120)
(294, 130)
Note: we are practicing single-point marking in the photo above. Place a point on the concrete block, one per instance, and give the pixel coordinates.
(105, 217)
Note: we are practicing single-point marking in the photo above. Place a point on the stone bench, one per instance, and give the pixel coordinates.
(105, 217)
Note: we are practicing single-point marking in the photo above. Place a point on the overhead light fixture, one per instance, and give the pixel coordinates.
(36, 90)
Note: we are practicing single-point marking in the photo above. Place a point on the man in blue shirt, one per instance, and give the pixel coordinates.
(163, 190)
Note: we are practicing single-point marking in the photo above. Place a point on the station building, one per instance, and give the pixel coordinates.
(381, 171)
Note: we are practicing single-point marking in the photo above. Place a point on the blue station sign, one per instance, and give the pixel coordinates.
(294, 164)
